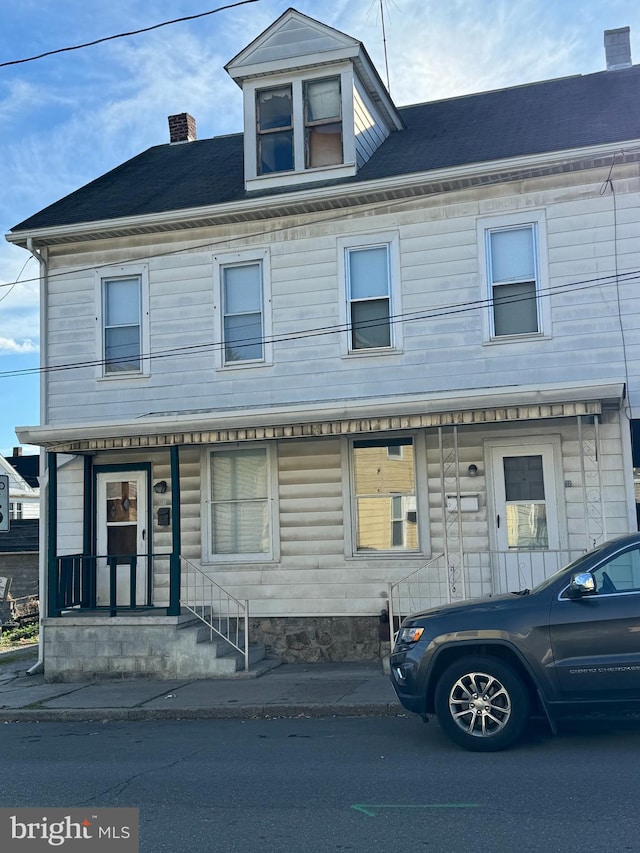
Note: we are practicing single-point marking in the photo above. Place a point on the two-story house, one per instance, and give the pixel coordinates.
(353, 344)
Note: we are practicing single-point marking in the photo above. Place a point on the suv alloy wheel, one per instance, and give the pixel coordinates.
(482, 703)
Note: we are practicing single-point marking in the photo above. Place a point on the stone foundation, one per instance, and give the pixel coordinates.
(321, 639)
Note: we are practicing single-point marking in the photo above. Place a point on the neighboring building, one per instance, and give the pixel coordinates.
(24, 486)
(354, 343)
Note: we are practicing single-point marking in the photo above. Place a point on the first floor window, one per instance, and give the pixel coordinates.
(242, 300)
(121, 313)
(385, 496)
(240, 502)
(369, 296)
(513, 277)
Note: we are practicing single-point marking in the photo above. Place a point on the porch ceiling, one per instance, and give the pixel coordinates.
(521, 404)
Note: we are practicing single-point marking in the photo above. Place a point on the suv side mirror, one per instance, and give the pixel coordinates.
(582, 583)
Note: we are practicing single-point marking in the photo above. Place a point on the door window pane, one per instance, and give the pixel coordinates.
(527, 526)
(526, 511)
(122, 501)
(240, 508)
(385, 501)
(523, 478)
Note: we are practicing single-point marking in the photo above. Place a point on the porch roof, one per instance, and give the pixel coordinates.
(331, 418)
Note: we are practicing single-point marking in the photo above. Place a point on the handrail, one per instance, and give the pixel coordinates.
(213, 605)
(395, 598)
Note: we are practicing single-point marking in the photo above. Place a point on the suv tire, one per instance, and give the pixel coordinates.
(482, 703)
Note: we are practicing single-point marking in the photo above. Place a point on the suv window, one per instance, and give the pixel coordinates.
(620, 574)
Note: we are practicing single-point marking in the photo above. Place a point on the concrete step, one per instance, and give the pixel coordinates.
(200, 656)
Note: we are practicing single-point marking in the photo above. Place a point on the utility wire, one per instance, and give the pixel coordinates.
(424, 314)
(124, 35)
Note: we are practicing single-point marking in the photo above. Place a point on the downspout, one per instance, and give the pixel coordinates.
(41, 257)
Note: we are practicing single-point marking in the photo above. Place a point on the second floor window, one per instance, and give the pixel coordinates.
(513, 280)
(121, 312)
(369, 296)
(242, 301)
(15, 511)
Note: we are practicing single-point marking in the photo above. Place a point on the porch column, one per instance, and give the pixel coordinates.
(52, 534)
(176, 547)
(88, 564)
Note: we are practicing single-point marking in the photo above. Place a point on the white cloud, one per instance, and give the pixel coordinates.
(11, 345)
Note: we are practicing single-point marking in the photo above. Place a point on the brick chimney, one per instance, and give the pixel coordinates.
(182, 128)
(617, 47)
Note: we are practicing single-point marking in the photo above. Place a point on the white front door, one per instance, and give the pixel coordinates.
(526, 525)
(121, 522)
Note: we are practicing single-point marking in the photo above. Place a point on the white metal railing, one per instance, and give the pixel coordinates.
(484, 573)
(225, 616)
(427, 586)
(508, 571)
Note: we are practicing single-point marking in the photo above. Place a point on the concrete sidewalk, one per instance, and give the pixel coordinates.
(289, 690)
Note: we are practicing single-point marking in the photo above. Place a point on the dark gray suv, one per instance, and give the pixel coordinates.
(571, 645)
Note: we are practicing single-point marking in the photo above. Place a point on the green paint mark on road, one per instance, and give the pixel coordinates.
(371, 810)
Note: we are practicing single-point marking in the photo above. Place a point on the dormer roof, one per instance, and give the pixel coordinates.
(295, 42)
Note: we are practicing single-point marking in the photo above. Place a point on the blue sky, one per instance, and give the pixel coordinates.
(66, 119)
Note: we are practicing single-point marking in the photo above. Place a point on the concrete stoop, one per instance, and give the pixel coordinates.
(93, 648)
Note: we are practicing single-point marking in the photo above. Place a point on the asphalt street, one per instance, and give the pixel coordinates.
(336, 784)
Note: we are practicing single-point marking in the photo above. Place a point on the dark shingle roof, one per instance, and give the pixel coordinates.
(571, 112)
(27, 466)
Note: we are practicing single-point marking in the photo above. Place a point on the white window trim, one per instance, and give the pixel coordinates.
(259, 256)
(351, 552)
(485, 225)
(300, 174)
(273, 555)
(126, 271)
(361, 241)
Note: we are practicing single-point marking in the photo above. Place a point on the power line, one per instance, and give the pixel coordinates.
(423, 314)
(124, 35)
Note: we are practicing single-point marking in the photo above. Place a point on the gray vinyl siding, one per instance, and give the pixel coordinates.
(370, 131)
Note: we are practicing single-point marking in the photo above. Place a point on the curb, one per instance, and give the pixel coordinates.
(220, 712)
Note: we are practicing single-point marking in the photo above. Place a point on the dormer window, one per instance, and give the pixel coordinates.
(315, 108)
(322, 123)
(275, 130)
(315, 103)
